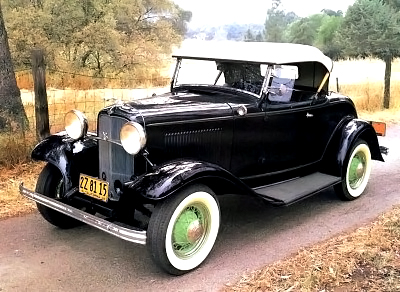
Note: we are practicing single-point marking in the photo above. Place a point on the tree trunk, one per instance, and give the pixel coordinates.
(12, 112)
(388, 73)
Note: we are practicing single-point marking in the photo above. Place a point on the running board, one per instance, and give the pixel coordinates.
(289, 192)
(132, 235)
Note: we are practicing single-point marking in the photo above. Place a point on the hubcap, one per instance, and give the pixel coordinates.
(357, 170)
(190, 231)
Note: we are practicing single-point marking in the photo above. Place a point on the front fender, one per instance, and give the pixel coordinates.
(166, 179)
(70, 157)
(343, 141)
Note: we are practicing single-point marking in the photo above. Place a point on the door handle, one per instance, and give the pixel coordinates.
(308, 115)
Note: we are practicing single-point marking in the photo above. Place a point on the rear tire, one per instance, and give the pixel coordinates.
(356, 172)
(50, 184)
(183, 229)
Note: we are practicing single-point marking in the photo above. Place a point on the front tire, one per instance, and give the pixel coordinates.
(50, 184)
(183, 229)
(356, 172)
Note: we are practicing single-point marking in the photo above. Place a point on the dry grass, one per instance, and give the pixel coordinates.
(11, 202)
(390, 116)
(15, 148)
(86, 82)
(368, 96)
(365, 260)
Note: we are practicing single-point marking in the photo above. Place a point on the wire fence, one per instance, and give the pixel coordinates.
(98, 92)
(102, 92)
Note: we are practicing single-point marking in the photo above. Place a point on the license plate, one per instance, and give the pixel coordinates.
(93, 187)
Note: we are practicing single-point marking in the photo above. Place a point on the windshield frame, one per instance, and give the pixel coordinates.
(175, 85)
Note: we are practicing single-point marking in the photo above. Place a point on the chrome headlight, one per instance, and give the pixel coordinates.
(133, 137)
(76, 124)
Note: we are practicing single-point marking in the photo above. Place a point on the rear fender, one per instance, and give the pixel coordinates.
(70, 157)
(166, 179)
(342, 141)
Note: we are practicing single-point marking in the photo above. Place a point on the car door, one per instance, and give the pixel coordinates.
(266, 142)
(283, 138)
(248, 152)
(318, 123)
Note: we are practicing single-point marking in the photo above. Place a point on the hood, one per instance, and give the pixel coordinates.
(180, 106)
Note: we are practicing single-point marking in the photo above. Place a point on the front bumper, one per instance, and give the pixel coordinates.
(132, 235)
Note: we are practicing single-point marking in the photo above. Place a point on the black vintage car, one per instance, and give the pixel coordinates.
(250, 118)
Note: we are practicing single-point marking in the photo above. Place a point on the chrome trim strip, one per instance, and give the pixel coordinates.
(191, 121)
(107, 140)
(136, 236)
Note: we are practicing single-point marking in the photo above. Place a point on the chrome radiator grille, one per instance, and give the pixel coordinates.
(114, 162)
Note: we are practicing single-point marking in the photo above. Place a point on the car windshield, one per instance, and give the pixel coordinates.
(237, 75)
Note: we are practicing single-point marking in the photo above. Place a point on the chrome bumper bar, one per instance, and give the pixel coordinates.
(137, 236)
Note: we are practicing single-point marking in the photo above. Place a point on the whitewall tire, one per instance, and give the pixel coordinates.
(356, 172)
(183, 229)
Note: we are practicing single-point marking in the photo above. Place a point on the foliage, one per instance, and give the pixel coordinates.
(277, 22)
(372, 28)
(330, 12)
(96, 36)
(305, 30)
(327, 36)
(250, 37)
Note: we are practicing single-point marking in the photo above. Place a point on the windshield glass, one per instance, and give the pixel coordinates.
(242, 76)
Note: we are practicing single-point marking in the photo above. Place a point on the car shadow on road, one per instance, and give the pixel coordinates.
(242, 218)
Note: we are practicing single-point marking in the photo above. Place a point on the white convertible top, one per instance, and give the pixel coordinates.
(254, 52)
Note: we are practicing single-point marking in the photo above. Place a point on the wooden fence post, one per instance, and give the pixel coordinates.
(337, 85)
(41, 105)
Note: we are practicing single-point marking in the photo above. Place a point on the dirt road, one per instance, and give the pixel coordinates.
(34, 256)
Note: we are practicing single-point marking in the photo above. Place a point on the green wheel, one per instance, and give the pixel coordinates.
(183, 229)
(356, 172)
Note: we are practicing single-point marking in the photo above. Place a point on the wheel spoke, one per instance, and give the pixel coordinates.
(357, 170)
(190, 231)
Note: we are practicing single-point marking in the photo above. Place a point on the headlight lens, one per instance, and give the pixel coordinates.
(133, 137)
(76, 124)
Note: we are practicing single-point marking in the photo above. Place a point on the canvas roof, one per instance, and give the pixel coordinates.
(254, 52)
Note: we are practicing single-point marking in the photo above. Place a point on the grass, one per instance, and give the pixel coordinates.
(15, 148)
(11, 202)
(79, 81)
(365, 260)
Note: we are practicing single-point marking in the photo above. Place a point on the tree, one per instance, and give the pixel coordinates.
(277, 22)
(12, 112)
(95, 36)
(259, 37)
(249, 37)
(305, 30)
(330, 12)
(372, 28)
(327, 36)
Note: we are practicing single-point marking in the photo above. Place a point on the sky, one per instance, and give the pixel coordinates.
(218, 12)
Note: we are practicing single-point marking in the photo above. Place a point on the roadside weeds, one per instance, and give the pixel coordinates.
(365, 260)
(12, 203)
